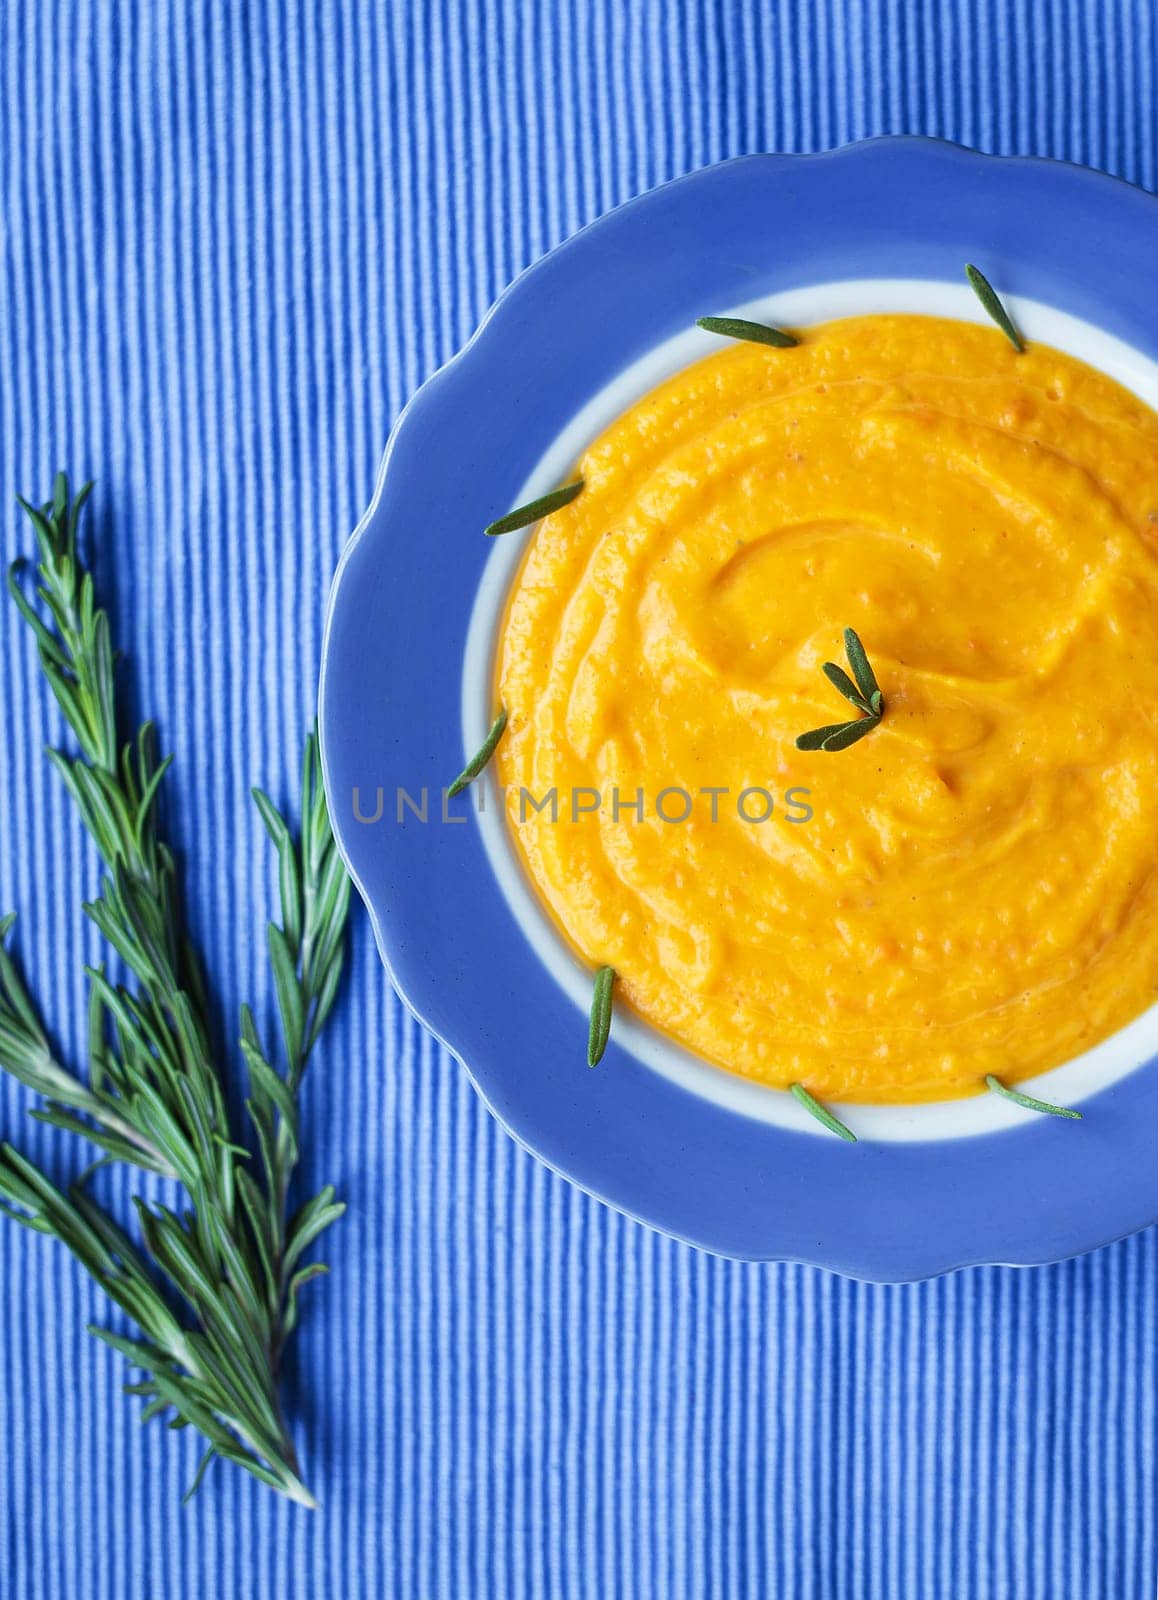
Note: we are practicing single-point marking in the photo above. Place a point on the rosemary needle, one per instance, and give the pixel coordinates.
(822, 1114)
(600, 1029)
(840, 680)
(753, 332)
(535, 510)
(479, 760)
(865, 676)
(988, 297)
(837, 735)
(1028, 1101)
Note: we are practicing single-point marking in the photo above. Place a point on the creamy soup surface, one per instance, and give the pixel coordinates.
(969, 889)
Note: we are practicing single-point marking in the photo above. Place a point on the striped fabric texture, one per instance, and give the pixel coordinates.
(235, 238)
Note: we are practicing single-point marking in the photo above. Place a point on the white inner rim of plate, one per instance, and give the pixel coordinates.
(950, 1119)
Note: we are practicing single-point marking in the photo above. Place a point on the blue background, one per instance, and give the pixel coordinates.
(234, 239)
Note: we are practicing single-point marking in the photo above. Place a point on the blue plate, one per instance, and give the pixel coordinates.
(710, 1167)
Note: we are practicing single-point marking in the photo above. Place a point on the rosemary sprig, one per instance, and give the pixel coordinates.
(988, 297)
(154, 1094)
(535, 510)
(865, 694)
(822, 1114)
(1027, 1100)
(753, 332)
(600, 1029)
(481, 756)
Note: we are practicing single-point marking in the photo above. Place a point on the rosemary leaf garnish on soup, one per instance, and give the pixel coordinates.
(822, 1114)
(753, 332)
(535, 510)
(480, 758)
(989, 298)
(865, 694)
(600, 1029)
(1029, 1101)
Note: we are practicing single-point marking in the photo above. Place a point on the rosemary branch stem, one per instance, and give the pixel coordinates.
(155, 1094)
